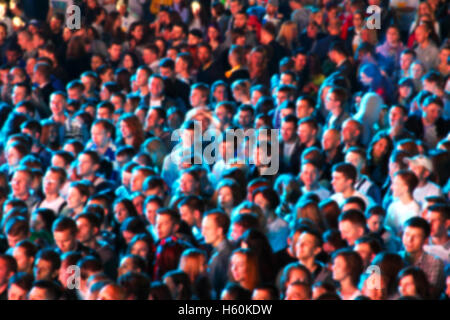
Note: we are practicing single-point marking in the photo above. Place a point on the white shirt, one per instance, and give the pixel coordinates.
(430, 189)
(398, 213)
(321, 192)
(54, 205)
(339, 198)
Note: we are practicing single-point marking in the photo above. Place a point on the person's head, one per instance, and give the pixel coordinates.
(215, 224)
(194, 263)
(351, 131)
(416, 231)
(189, 182)
(298, 291)
(16, 230)
(124, 208)
(374, 286)
(245, 116)
(191, 209)
(266, 199)
(167, 222)
(136, 285)
(307, 130)
(45, 290)
(179, 284)
(343, 177)
(65, 232)
(19, 285)
(308, 245)
(244, 268)
(78, 194)
(352, 224)
(347, 265)
(131, 263)
(46, 265)
(294, 272)
(111, 292)
(432, 109)
(234, 291)
(265, 292)
(88, 225)
(422, 33)
(438, 216)
(331, 139)
(88, 163)
(404, 183)
(24, 253)
(413, 282)
(368, 247)
(335, 99)
(199, 95)
(8, 267)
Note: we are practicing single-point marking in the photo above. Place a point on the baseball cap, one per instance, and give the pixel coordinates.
(421, 160)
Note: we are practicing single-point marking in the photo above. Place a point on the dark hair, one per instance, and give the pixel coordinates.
(180, 278)
(159, 291)
(347, 169)
(53, 290)
(420, 280)
(354, 216)
(135, 284)
(418, 222)
(237, 292)
(221, 218)
(353, 261)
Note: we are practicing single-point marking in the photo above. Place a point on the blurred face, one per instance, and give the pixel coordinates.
(399, 187)
(331, 103)
(261, 294)
(339, 269)
(141, 249)
(225, 198)
(421, 34)
(220, 93)
(374, 223)
(150, 212)
(416, 71)
(365, 252)
(432, 112)
(350, 232)
(407, 286)
(125, 130)
(262, 202)
(114, 52)
(24, 262)
(405, 61)
(302, 109)
(296, 275)
(287, 131)
(85, 166)
(165, 227)
(37, 294)
(355, 159)
(16, 293)
(306, 246)
(296, 292)
(404, 91)
(156, 87)
(305, 133)
(210, 231)
(20, 184)
(100, 136)
(380, 148)
(413, 240)
(13, 156)
(19, 94)
(349, 132)
(188, 185)
(57, 104)
(126, 265)
(245, 118)
(340, 182)
(309, 175)
(238, 267)
(437, 224)
(65, 240)
(392, 36)
(120, 212)
(330, 140)
(85, 230)
(196, 98)
(396, 117)
(43, 270)
(203, 54)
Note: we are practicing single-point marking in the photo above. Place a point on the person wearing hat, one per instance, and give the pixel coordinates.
(423, 168)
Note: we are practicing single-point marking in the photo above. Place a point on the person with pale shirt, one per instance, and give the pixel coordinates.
(309, 175)
(404, 206)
